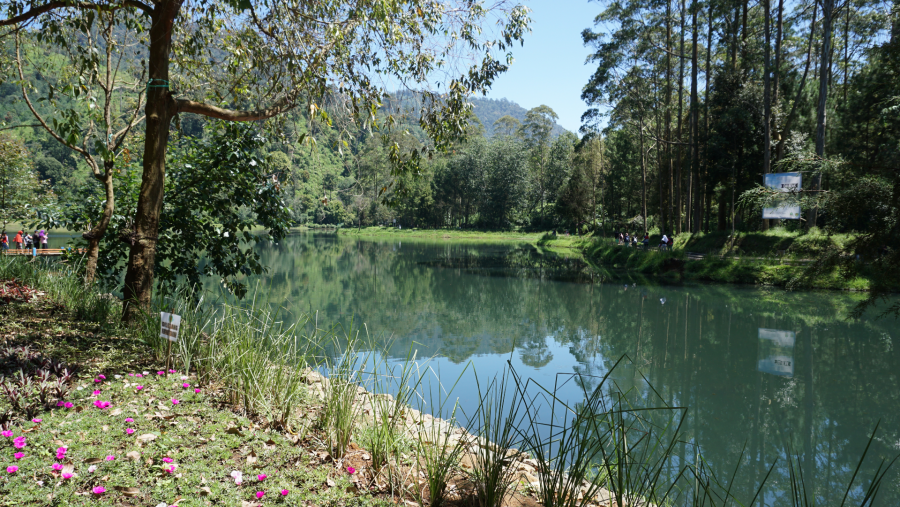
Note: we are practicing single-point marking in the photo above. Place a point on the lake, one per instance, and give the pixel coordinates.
(756, 369)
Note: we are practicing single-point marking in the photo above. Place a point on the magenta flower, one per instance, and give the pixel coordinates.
(171, 468)
(7, 433)
(351, 470)
(139, 387)
(260, 494)
(97, 381)
(69, 404)
(168, 460)
(36, 420)
(101, 376)
(110, 458)
(67, 476)
(284, 492)
(261, 477)
(62, 450)
(160, 373)
(59, 404)
(102, 405)
(138, 375)
(197, 391)
(175, 402)
(19, 455)
(97, 392)
(98, 490)
(129, 431)
(173, 371)
(185, 385)
(131, 374)
(12, 469)
(128, 419)
(19, 442)
(60, 456)
(57, 466)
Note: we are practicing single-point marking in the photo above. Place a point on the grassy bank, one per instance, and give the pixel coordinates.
(775, 258)
(543, 239)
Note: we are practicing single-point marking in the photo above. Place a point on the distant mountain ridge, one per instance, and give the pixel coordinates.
(490, 110)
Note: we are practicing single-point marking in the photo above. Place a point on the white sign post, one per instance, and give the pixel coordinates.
(784, 182)
(168, 328)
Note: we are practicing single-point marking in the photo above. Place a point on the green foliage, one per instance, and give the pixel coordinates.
(21, 192)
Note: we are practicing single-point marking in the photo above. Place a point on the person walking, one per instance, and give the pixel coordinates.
(18, 240)
(44, 239)
(664, 242)
(28, 241)
(4, 242)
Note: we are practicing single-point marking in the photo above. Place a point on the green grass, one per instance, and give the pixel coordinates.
(537, 238)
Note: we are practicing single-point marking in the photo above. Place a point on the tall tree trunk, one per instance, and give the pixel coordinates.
(695, 124)
(745, 65)
(709, 50)
(643, 174)
(790, 117)
(139, 275)
(767, 96)
(776, 76)
(679, 158)
(846, 51)
(669, 191)
(824, 71)
(734, 35)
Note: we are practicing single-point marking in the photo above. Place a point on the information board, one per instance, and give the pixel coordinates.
(776, 352)
(169, 325)
(786, 207)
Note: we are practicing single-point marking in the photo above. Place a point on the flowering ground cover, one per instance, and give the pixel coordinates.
(120, 430)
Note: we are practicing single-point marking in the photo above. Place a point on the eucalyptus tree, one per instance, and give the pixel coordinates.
(507, 125)
(537, 132)
(92, 101)
(248, 60)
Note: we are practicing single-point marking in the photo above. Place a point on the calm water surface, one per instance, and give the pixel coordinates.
(754, 367)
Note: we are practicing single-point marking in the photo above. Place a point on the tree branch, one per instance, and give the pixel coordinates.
(50, 6)
(286, 103)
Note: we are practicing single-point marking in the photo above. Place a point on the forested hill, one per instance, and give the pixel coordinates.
(490, 110)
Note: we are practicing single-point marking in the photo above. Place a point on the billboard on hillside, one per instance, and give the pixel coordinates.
(786, 207)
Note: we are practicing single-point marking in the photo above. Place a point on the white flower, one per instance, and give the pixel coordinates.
(117, 376)
(183, 377)
(92, 468)
(145, 372)
(161, 505)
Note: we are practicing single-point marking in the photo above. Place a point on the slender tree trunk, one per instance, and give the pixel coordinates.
(790, 117)
(668, 115)
(767, 102)
(99, 229)
(709, 50)
(776, 77)
(744, 63)
(846, 51)
(824, 71)
(734, 35)
(643, 174)
(679, 158)
(139, 276)
(695, 124)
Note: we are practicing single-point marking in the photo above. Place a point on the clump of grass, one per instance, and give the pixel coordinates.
(340, 409)
(494, 423)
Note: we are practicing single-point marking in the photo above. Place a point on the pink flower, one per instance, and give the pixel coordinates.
(110, 458)
(351, 470)
(101, 376)
(92, 468)
(98, 490)
(260, 494)
(19, 442)
(131, 374)
(175, 402)
(197, 391)
(69, 404)
(129, 431)
(97, 392)
(67, 476)
(171, 468)
(168, 460)
(57, 466)
(62, 450)
(60, 456)
(139, 387)
(160, 373)
(261, 477)
(59, 403)
(173, 371)
(185, 385)
(19, 455)
(12, 469)
(284, 492)
(128, 419)
(102, 405)
(7, 433)
(36, 420)
(138, 375)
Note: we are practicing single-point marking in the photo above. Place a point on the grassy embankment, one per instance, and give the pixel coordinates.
(773, 258)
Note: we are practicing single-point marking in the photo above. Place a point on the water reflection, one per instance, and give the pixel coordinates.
(754, 367)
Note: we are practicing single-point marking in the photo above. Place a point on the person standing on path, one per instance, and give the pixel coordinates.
(4, 242)
(18, 240)
(44, 239)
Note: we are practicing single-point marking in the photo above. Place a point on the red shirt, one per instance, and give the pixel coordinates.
(18, 238)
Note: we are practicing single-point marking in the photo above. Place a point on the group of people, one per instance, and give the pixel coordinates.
(25, 241)
(623, 238)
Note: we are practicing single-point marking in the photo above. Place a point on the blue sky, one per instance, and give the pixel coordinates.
(549, 69)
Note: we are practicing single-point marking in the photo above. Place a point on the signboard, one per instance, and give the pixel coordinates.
(776, 352)
(784, 182)
(169, 325)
